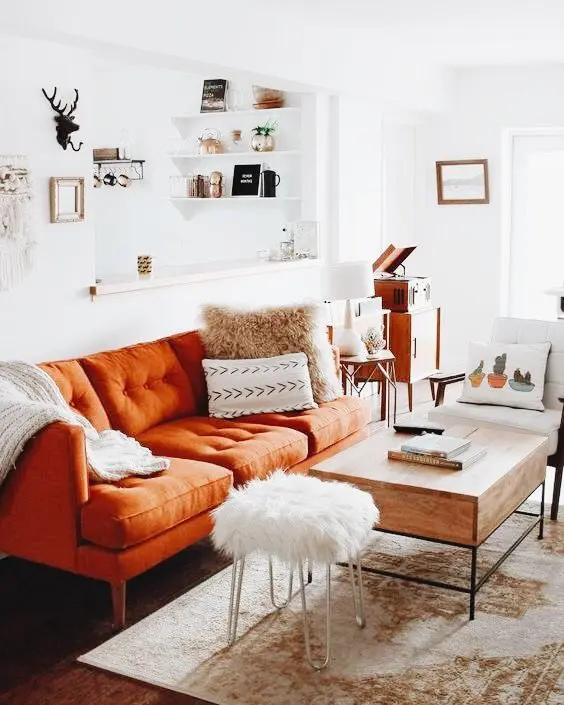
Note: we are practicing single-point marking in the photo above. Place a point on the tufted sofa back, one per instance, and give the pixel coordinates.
(526, 330)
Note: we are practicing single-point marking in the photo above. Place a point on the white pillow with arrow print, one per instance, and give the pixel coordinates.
(256, 386)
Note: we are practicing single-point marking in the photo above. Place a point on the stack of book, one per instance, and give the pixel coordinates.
(444, 451)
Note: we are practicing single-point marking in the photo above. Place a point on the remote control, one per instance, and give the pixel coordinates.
(419, 429)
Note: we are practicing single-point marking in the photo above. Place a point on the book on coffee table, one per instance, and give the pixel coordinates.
(460, 462)
(439, 446)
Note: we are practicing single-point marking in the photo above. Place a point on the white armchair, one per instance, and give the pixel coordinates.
(548, 422)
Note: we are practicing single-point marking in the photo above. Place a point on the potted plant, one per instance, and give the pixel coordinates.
(497, 379)
(521, 382)
(477, 375)
(262, 139)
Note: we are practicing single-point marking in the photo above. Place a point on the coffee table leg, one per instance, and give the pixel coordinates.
(541, 522)
(473, 582)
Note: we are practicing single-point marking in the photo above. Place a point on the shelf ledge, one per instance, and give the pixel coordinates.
(191, 274)
(235, 113)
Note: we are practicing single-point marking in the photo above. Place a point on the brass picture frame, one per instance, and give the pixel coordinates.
(462, 181)
(66, 196)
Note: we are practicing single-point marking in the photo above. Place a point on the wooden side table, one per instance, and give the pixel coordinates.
(358, 371)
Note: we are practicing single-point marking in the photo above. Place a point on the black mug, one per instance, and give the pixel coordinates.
(270, 180)
(110, 179)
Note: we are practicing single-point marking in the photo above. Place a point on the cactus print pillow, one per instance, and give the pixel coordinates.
(506, 375)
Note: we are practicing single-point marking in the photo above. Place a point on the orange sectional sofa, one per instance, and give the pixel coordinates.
(50, 512)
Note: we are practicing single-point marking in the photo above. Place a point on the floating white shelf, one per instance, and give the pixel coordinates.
(190, 274)
(235, 113)
(233, 198)
(223, 155)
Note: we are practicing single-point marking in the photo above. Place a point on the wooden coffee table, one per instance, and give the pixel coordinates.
(459, 508)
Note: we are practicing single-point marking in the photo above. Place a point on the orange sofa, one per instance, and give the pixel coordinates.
(50, 512)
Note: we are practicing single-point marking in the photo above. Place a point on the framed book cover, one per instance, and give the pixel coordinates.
(246, 180)
(213, 95)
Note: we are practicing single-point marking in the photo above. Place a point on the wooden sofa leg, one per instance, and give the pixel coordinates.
(556, 493)
(118, 604)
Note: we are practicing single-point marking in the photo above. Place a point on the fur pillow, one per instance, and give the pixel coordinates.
(234, 334)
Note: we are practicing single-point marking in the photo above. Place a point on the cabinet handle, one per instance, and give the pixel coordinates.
(414, 348)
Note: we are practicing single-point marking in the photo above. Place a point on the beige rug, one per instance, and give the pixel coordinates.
(418, 646)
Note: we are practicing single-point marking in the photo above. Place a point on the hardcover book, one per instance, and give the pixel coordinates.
(460, 462)
(439, 446)
(246, 180)
(213, 95)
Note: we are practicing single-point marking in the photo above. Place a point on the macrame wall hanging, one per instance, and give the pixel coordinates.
(16, 242)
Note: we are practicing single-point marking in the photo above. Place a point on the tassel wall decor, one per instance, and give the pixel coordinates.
(17, 246)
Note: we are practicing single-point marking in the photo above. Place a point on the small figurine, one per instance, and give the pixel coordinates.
(216, 184)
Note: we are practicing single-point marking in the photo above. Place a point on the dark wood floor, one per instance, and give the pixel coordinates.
(48, 618)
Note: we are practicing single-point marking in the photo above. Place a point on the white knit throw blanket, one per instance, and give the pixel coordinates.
(30, 400)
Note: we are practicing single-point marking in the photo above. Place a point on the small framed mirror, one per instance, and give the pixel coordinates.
(67, 199)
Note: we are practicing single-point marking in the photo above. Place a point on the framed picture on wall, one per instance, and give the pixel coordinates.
(462, 181)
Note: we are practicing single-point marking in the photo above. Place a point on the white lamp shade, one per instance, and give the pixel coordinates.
(348, 280)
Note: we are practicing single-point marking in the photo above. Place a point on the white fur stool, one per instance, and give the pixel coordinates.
(296, 519)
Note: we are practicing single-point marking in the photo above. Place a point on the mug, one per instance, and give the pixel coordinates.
(124, 180)
(97, 181)
(110, 179)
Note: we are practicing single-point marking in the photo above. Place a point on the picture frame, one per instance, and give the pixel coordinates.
(66, 197)
(462, 181)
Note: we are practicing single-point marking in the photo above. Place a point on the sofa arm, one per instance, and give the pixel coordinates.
(40, 500)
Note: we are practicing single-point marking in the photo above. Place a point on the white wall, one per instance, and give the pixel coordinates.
(51, 315)
(461, 246)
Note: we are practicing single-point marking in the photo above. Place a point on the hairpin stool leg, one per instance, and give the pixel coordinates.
(318, 665)
(235, 598)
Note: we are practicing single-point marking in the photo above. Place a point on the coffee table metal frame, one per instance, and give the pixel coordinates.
(475, 583)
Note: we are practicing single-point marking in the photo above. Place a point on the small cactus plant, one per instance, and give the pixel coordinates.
(499, 364)
(479, 370)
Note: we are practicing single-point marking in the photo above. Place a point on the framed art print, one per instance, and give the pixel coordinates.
(462, 181)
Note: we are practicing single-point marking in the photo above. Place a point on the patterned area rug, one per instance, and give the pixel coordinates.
(418, 646)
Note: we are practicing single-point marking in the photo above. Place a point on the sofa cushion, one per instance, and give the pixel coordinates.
(77, 391)
(135, 509)
(328, 424)
(545, 423)
(249, 450)
(140, 386)
(189, 349)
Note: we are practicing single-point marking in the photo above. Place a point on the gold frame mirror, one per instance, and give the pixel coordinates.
(66, 199)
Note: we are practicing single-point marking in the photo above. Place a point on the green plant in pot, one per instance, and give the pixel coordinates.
(497, 379)
(521, 382)
(477, 375)
(262, 139)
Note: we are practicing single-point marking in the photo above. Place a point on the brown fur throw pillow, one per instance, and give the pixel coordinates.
(234, 334)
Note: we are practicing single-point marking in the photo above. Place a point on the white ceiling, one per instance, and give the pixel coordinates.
(449, 32)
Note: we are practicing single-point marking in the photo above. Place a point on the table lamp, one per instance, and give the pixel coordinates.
(346, 281)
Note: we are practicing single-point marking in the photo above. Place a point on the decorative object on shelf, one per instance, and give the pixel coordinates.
(306, 238)
(213, 95)
(64, 119)
(234, 98)
(17, 246)
(346, 281)
(122, 171)
(66, 199)
(144, 265)
(374, 339)
(124, 149)
(269, 180)
(462, 181)
(236, 144)
(265, 98)
(246, 180)
(262, 139)
(210, 142)
(98, 183)
(216, 184)
(105, 153)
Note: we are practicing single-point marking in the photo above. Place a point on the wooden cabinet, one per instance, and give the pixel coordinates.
(415, 341)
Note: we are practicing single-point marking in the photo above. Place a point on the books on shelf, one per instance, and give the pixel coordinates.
(213, 95)
(460, 462)
(440, 446)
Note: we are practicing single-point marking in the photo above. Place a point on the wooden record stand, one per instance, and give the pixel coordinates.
(414, 335)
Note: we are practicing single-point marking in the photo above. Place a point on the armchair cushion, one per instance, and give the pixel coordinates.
(546, 423)
(506, 374)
